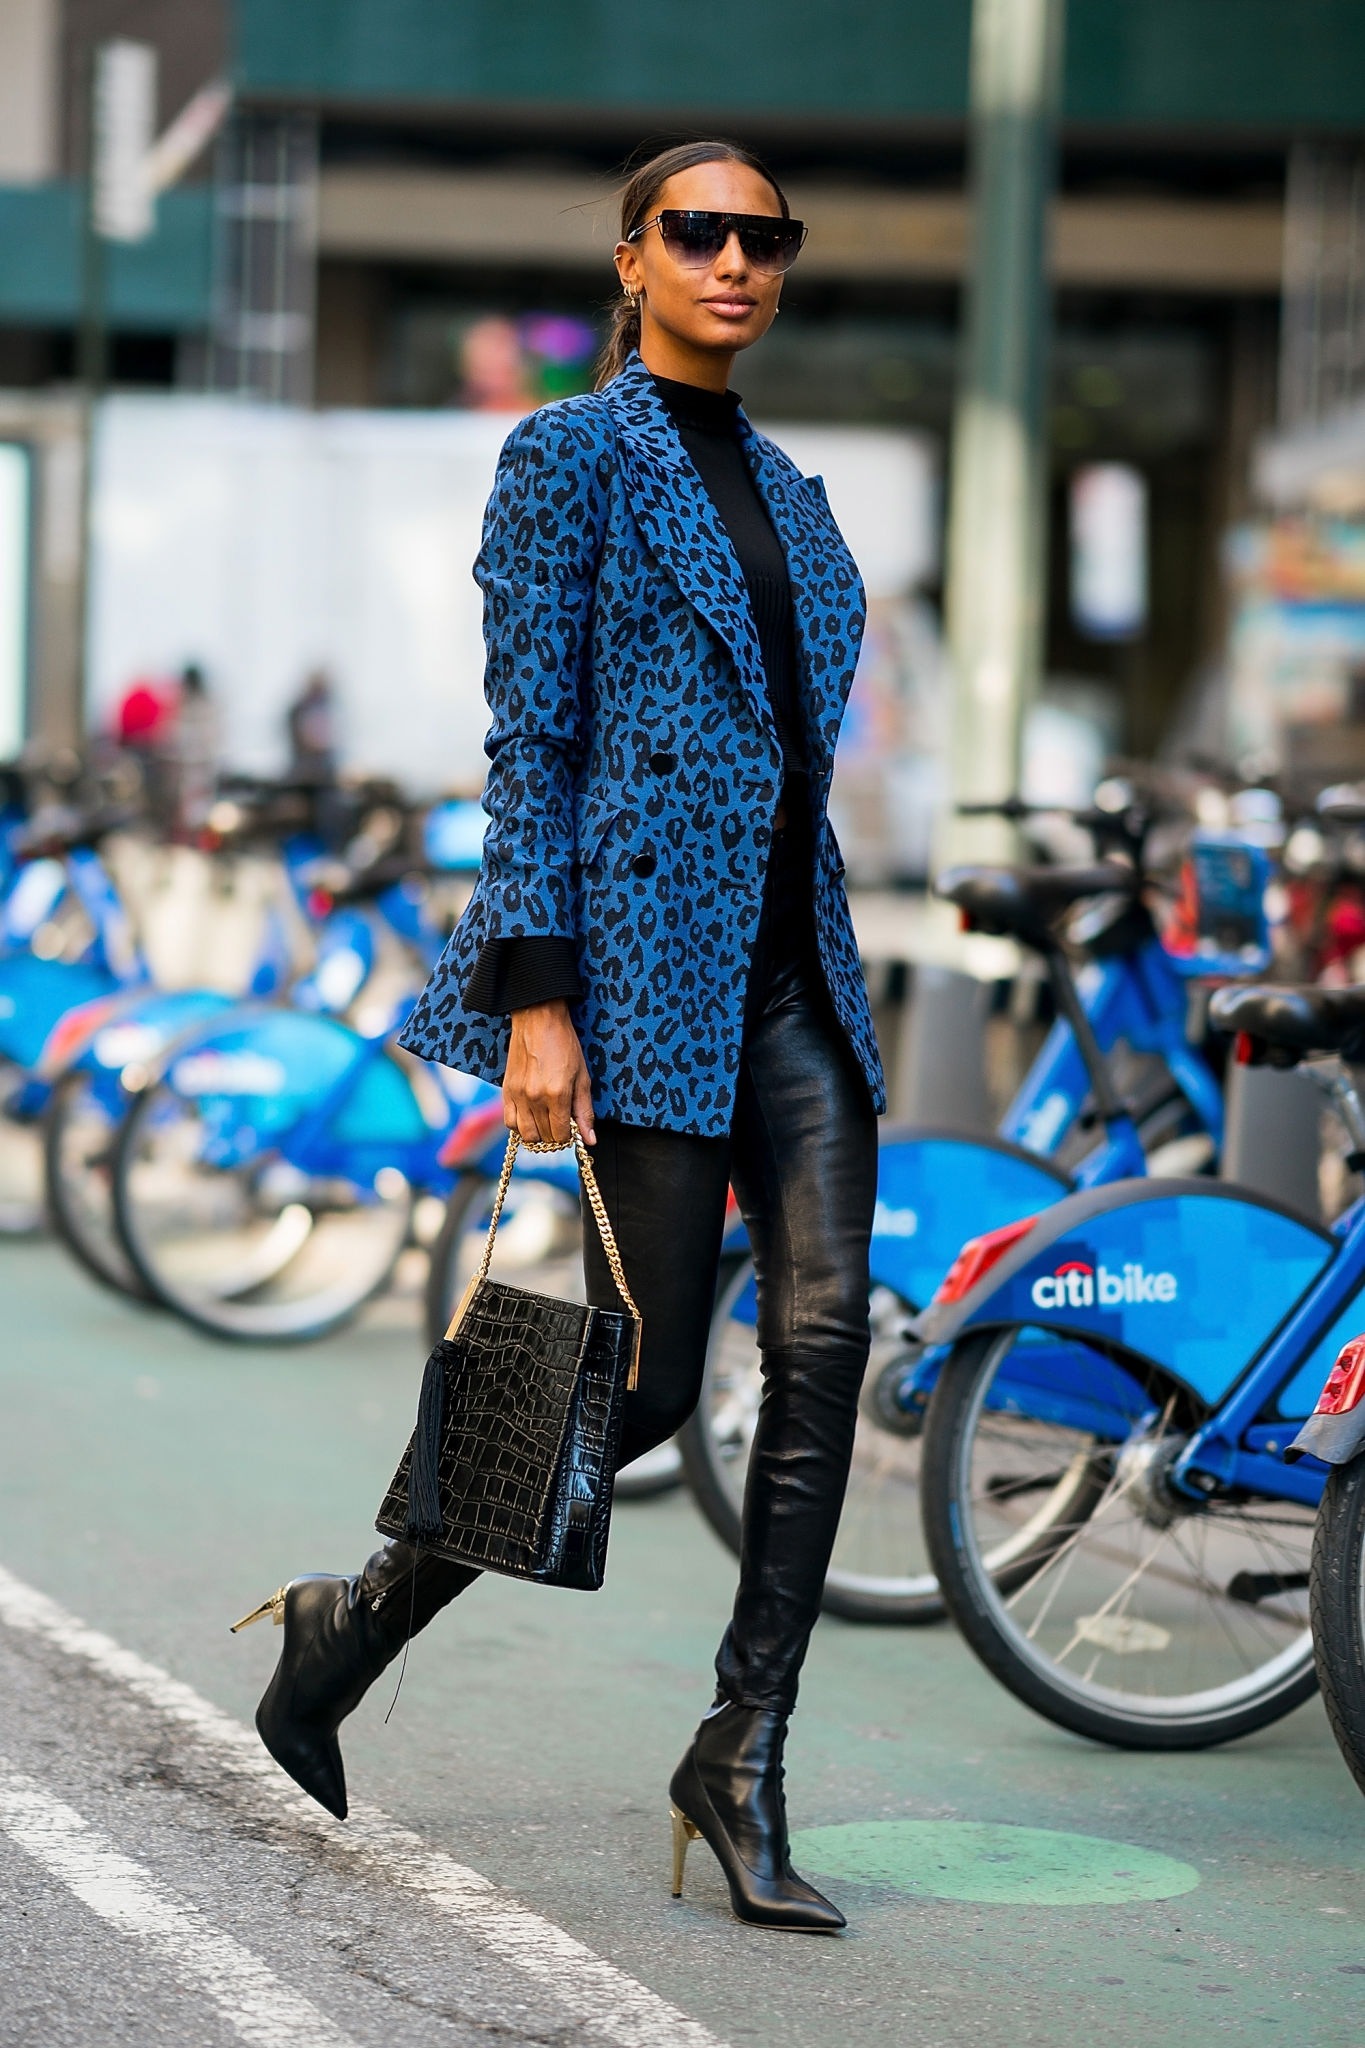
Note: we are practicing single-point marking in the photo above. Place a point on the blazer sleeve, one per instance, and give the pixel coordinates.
(537, 567)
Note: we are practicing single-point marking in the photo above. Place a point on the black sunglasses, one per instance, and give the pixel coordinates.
(695, 239)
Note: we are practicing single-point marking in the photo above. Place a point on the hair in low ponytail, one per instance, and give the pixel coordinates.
(623, 338)
(638, 198)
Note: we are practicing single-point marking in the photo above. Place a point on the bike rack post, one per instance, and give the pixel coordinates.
(940, 1071)
(1272, 1134)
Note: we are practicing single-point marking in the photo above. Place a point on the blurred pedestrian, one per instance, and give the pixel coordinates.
(314, 759)
(659, 947)
(143, 723)
(494, 374)
(312, 728)
(193, 745)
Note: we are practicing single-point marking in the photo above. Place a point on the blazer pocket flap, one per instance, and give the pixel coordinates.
(593, 828)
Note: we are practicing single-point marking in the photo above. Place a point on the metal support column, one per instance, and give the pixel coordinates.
(264, 318)
(997, 515)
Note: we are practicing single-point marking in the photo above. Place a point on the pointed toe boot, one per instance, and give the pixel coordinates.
(728, 1790)
(326, 1666)
(339, 1635)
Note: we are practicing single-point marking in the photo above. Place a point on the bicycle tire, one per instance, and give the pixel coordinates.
(974, 1599)
(294, 1324)
(22, 1210)
(98, 1251)
(1337, 1594)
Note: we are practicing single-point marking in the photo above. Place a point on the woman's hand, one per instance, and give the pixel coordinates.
(546, 1081)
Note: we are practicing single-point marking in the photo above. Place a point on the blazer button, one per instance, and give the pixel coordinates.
(663, 764)
(643, 865)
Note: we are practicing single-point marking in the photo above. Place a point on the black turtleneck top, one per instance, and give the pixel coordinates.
(510, 974)
(709, 431)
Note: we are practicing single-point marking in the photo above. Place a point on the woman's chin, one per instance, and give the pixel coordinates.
(729, 330)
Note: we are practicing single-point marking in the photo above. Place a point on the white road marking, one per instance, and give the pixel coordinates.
(609, 2004)
(256, 2005)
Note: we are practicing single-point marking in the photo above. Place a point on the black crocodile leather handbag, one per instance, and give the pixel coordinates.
(512, 1462)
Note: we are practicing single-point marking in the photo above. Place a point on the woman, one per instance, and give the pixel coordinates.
(659, 947)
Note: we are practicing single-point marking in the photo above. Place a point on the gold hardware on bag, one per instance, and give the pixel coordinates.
(600, 1218)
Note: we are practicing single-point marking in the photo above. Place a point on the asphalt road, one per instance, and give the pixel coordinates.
(504, 1878)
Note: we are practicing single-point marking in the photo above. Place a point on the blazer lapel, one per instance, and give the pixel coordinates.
(681, 525)
(827, 592)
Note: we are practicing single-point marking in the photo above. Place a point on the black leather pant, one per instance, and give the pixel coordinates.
(802, 1158)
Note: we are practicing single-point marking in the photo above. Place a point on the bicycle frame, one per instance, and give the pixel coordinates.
(1136, 1276)
(306, 1089)
(38, 996)
(1138, 997)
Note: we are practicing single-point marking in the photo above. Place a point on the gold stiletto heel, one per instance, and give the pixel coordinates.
(683, 1833)
(274, 1607)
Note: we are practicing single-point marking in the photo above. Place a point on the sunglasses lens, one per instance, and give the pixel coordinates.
(694, 239)
(772, 245)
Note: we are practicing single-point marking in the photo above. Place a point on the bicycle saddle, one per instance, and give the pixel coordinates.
(1023, 903)
(1288, 1023)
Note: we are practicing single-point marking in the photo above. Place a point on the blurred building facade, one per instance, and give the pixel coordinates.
(412, 207)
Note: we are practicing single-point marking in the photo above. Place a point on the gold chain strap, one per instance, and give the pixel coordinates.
(600, 1218)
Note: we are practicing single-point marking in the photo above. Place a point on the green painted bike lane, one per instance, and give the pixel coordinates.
(1005, 1882)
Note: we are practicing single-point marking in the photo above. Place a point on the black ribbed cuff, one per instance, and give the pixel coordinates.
(511, 974)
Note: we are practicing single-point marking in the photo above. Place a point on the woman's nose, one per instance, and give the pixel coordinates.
(732, 261)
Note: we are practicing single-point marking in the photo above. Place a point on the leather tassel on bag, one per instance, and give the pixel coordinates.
(425, 1517)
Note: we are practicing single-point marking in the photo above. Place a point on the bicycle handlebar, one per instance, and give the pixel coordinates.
(1125, 828)
(63, 830)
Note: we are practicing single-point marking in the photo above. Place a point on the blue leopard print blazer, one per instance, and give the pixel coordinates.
(635, 763)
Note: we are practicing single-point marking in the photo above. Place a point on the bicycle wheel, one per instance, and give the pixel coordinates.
(539, 1245)
(1338, 1610)
(79, 1138)
(880, 1570)
(1133, 1614)
(257, 1251)
(22, 1213)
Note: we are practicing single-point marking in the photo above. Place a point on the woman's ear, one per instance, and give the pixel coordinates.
(628, 268)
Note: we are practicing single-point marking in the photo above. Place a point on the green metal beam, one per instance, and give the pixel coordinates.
(1265, 64)
(709, 55)
(161, 285)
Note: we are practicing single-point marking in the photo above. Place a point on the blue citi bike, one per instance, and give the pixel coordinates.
(94, 1055)
(267, 1174)
(1117, 1089)
(1115, 1504)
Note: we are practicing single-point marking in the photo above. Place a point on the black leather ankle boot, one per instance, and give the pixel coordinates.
(339, 1635)
(330, 1657)
(728, 1790)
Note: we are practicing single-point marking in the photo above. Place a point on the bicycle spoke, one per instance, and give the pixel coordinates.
(1116, 1590)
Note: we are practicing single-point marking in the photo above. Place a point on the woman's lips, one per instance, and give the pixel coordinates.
(731, 309)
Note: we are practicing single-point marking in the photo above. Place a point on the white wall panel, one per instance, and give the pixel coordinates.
(263, 542)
